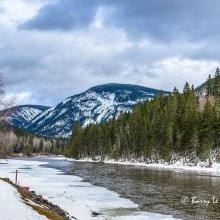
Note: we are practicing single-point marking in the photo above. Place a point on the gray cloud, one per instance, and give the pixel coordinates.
(168, 19)
(59, 51)
(2, 10)
(54, 66)
(162, 20)
(63, 15)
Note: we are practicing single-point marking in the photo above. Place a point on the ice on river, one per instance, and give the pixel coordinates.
(80, 199)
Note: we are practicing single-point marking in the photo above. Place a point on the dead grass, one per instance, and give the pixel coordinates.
(42, 210)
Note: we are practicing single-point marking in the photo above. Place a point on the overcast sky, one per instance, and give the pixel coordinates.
(52, 49)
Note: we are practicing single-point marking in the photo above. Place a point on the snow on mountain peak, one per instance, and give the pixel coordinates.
(20, 116)
(96, 105)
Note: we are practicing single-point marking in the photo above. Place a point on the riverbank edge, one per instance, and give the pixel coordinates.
(179, 165)
(39, 204)
(201, 166)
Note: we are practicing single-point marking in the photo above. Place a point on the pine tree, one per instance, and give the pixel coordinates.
(193, 145)
(163, 128)
(186, 88)
(41, 145)
(217, 83)
(209, 87)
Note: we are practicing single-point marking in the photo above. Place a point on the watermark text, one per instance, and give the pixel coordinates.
(194, 200)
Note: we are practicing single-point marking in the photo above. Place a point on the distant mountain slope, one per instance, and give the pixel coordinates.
(98, 104)
(201, 90)
(20, 116)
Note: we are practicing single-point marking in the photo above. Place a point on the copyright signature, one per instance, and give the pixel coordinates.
(185, 200)
(196, 200)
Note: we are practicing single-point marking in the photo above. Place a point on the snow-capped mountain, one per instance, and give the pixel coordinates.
(98, 104)
(20, 116)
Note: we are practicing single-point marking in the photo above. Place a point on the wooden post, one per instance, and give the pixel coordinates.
(16, 177)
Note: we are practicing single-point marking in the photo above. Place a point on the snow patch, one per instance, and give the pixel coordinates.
(72, 194)
(12, 207)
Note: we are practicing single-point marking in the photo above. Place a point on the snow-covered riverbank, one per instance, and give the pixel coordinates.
(179, 165)
(12, 207)
(73, 195)
(202, 166)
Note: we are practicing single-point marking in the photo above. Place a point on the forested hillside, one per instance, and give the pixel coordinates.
(166, 128)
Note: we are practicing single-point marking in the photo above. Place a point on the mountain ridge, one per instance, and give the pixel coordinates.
(19, 116)
(97, 104)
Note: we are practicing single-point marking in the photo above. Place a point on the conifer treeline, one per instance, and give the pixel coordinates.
(165, 128)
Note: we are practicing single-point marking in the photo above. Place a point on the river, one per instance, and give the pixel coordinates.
(171, 193)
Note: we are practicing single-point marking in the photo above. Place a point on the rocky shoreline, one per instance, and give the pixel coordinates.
(39, 204)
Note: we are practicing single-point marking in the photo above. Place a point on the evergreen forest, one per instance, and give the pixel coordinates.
(179, 125)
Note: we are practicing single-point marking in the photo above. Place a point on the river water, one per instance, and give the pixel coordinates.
(181, 194)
